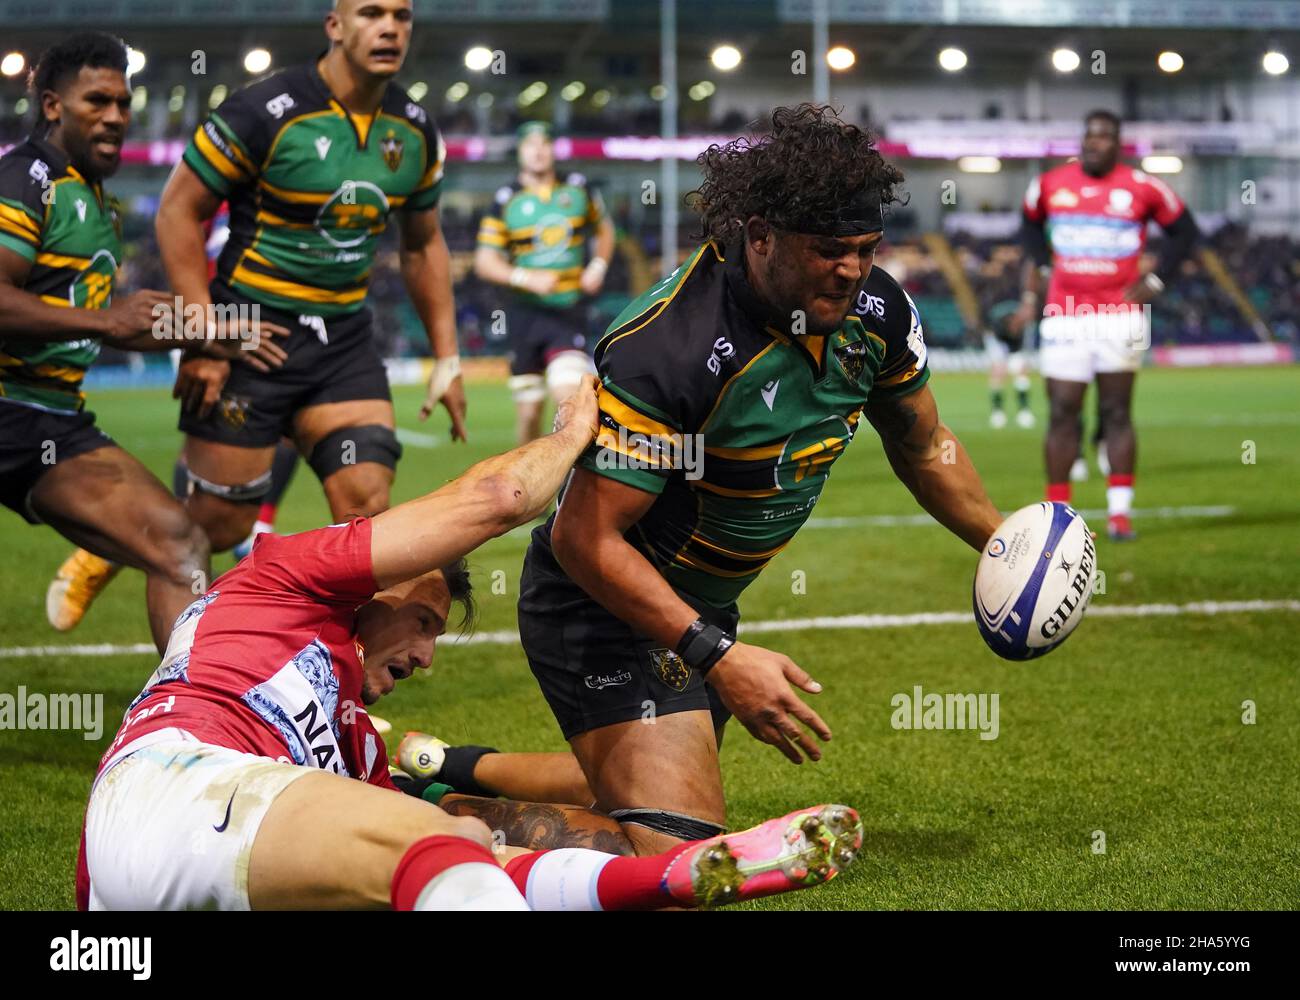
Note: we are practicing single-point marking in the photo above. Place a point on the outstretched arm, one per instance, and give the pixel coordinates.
(930, 461)
(426, 272)
(491, 498)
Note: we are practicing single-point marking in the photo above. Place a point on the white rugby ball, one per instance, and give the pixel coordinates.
(1034, 580)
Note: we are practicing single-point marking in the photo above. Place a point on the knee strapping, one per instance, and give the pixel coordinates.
(250, 492)
(565, 371)
(352, 446)
(527, 388)
(672, 824)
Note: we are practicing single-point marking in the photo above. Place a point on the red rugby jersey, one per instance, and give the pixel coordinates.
(1096, 228)
(267, 662)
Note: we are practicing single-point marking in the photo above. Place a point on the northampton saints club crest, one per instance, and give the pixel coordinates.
(234, 410)
(392, 148)
(670, 668)
(852, 358)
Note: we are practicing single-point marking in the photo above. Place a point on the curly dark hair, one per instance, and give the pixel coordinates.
(64, 60)
(797, 176)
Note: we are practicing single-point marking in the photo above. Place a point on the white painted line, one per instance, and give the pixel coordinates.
(962, 617)
(417, 439)
(925, 520)
(100, 649)
(510, 638)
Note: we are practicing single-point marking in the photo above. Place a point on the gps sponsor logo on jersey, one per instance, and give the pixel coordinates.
(722, 349)
(277, 106)
(872, 305)
(75, 953)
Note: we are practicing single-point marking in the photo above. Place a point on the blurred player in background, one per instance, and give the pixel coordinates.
(533, 242)
(1088, 219)
(1007, 356)
(248, 774)
(315, 161)
(60, 248)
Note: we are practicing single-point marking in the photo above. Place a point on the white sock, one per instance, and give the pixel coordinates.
(1119, 500)
(474, 885)
(565, 879)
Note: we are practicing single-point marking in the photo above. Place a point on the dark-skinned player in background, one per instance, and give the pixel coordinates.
(315, 162)
(60, 249)
(1088, 218)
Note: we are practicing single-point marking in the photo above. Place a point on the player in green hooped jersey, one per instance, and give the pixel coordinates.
(315, 162)
(728, 391)
(533, 241)
(60, 250)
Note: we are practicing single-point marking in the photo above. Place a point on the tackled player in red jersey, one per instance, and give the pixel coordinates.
(249, 774)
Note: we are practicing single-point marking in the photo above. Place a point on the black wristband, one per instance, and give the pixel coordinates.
(702, 645)
(458, 770)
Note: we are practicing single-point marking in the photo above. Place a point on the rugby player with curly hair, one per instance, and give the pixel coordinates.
(765, 349)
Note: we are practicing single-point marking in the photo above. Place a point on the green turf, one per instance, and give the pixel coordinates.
(1132, 728)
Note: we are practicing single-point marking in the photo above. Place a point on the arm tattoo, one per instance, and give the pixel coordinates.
(893, 420)
(541, 825)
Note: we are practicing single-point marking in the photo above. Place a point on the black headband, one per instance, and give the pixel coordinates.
(863, 214)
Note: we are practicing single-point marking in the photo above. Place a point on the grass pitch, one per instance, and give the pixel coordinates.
(1133, 731)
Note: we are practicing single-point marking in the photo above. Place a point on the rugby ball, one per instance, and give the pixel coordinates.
(1034, 580)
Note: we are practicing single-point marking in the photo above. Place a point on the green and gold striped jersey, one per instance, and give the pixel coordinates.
(311, 187)
(546, 227)
(694, 360)
(71, 232)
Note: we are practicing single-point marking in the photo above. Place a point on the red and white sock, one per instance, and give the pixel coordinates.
(266, 515)
(1119, 494)
(574, 878)
(1058, 492)
(452, 873)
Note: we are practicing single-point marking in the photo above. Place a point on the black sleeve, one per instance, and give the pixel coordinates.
(904, 368)
(1180, 236)
(1033, 238)
(26, 189)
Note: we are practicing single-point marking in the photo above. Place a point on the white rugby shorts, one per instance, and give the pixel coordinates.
(171, 824)
(1076, 348)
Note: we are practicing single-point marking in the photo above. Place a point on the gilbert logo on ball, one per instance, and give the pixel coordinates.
(1034, 580)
